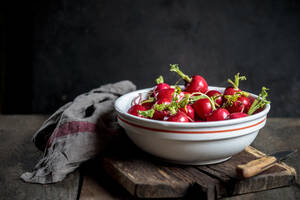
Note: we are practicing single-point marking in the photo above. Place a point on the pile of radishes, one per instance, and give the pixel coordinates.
(195, 103)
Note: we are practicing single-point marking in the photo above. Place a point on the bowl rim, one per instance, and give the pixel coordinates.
(187, 124)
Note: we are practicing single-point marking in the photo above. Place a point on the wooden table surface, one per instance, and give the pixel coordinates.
(18, 154)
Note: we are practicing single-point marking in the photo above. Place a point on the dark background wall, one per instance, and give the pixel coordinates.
(58, 49)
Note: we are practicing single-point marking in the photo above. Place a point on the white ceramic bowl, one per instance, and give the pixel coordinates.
(194, 143)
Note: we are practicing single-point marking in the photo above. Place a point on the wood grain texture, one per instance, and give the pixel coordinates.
(145, 177)
(18, 154)
(92, 190)
(280, 134)
(277, 176)
(284, 193)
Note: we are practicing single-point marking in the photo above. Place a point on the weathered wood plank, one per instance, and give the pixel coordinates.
(146, 177)
(18, 154)
(277, 176)
(17, 130)
(284, 193)
(280, 134)
(207, 187)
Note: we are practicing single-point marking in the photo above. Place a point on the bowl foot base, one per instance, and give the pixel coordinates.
(206, 162)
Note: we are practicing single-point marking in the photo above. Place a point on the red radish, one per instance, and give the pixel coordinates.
(196, 103)
(168, 94)
(160, 115)
(160, 85)
(259, 110)
(178, 117)
(160, 108)
(195, 84)
(251, 99)
(134, 110)
(237, 115)
(216, 96)
(165, 101)
(231, 90)
(165, 93)
(241, 104)
(246, 102)
(203, 108)
(218, 115)
(148, 105)
(236, 106)
(189, 111)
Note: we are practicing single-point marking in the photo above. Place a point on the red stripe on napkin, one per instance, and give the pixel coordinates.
(71, 128)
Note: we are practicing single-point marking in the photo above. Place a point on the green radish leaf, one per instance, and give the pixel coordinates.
(260, 102)
(175, 68)
(159, 80)
(149, 100)
(237, 79)
(147, 113)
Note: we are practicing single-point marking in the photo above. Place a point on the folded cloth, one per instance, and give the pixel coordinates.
(76, 132)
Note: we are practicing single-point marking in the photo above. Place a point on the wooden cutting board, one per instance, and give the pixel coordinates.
(146, 177)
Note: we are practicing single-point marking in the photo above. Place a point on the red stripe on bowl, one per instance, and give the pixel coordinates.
(192, 132)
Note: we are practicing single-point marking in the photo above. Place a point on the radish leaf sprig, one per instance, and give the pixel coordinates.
(234, 88)
(174, 105)
(259, 102)
(185, 101)
(195, 84)
(159, 80)
(147, 113)
(160, 85)
(200, 95)
(230, 99)
(216, 96)
(149, 100)
(194, 102)
(175, 68)
(237, 79)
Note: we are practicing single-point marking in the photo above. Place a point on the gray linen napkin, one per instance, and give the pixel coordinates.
(76, 132)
